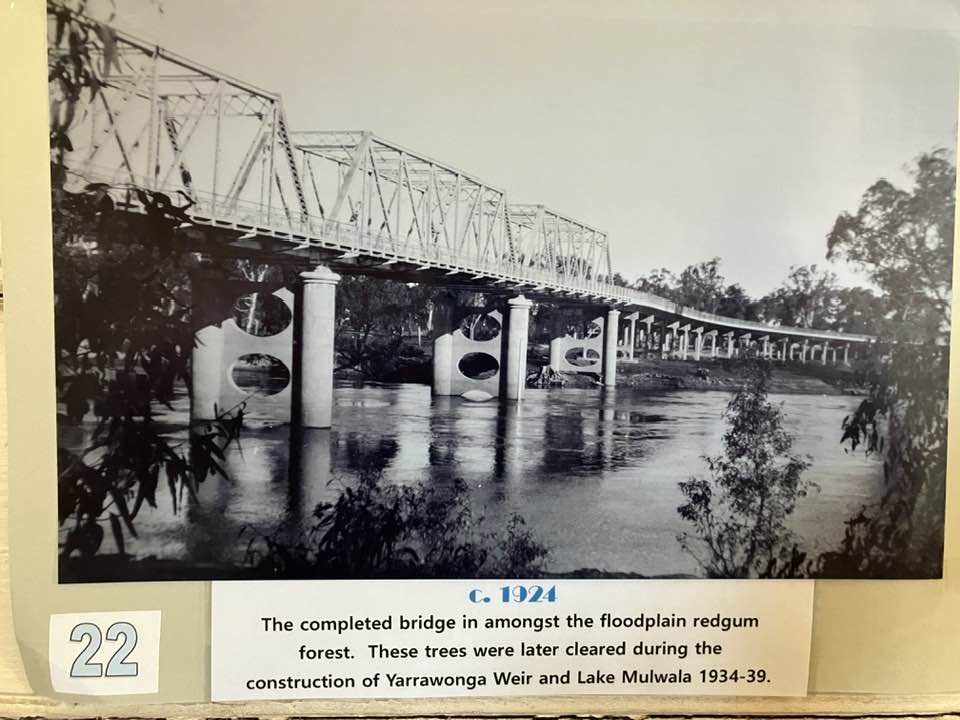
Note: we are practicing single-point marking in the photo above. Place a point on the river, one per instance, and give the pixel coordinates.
(594, 475)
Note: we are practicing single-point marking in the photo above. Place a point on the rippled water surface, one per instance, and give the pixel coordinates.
(595, 476)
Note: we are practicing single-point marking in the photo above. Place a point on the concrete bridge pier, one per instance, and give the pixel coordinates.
(823, 353)
(712, 334)
(684, 341)
(610, 330)
(514, 375)
(443, 327)
(647, 333)
(630, 335)
(669, 335)
(729, 337)
(697, 343)
(314, 354)
(585, 353)
(556, 343)
(505, 350)
(651, 341)
(222, 344)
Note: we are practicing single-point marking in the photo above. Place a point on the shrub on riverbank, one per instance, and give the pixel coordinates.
(380, 530)
(739, 513)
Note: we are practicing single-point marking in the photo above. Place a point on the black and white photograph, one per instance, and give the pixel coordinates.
(589, 290)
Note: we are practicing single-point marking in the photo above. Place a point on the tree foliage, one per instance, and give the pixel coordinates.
(739, 513)
(122, 316)
(904, 419)
(736, 303)
(807, 298)
(660, 282)
(375, 319)
(380, 530)
(903, 240)
(702, 286)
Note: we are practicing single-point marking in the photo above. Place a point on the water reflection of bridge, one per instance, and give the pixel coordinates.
(214, 155)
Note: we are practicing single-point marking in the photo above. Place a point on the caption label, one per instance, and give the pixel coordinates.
(426, 638)
(105, 653)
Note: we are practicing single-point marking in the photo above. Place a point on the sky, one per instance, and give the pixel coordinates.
(686, 129)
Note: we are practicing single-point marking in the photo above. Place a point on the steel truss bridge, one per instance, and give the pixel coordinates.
(223, 149)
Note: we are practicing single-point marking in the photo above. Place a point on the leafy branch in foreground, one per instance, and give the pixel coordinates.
(123, 317)
(904, 419)
(378, 530)
(122, 468)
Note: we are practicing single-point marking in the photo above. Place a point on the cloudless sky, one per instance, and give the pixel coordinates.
(686, 129)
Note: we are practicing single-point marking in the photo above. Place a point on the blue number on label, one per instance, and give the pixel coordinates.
(533, 594)
(118, 667)
(82, 667)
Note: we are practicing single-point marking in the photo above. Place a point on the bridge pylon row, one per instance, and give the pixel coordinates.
(479, 353)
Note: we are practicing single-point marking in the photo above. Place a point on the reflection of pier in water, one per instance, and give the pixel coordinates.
(491, 445)
(594, 476)
(464, 441)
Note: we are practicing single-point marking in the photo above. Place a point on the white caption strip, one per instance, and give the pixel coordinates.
(313, 639)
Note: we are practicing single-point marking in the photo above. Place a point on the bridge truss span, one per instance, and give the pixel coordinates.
(219, 149)
(161, 122)
(558, 244)
(404, 199)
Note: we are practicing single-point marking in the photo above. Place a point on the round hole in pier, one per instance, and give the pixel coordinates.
(260, 374)
(478, 366)
(261, 314)
(479, 327)
(593, 329)
(582, 357)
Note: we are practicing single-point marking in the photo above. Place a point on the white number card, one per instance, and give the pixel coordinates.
(105, 653)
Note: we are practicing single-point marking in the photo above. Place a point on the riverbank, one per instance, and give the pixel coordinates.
(657, 374)
(811, 378)
(111, 567)
(808, 379)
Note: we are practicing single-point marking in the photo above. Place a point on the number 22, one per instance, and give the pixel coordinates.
(117, 667)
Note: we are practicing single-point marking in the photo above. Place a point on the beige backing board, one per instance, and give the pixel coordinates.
(878, 646)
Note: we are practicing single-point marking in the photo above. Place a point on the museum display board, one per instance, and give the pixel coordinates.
(617, 365)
